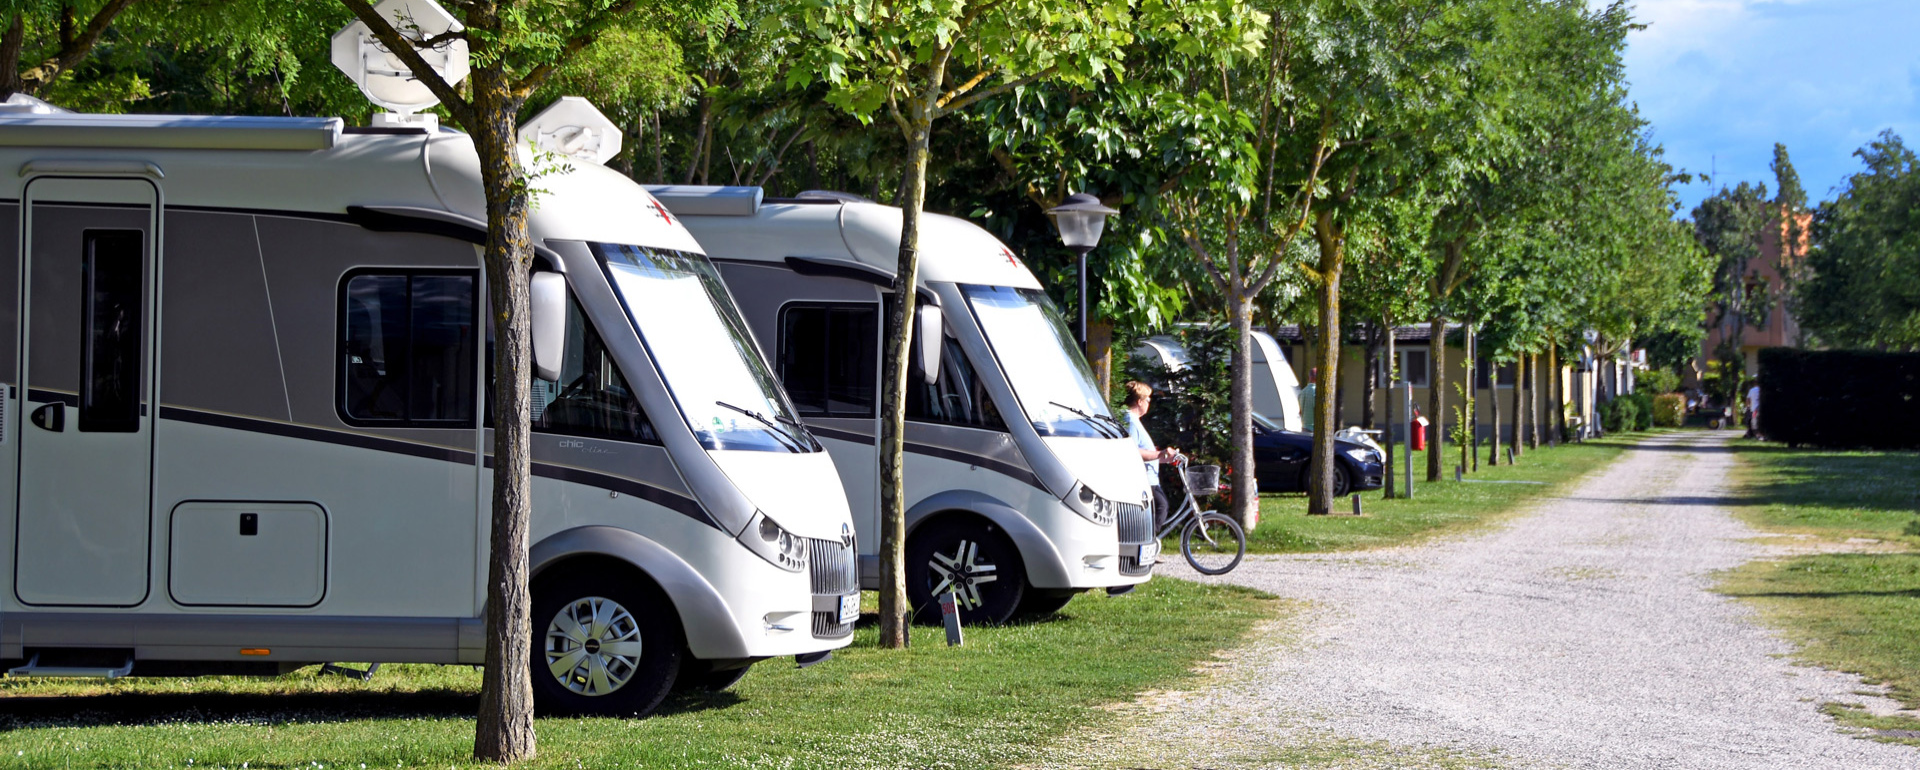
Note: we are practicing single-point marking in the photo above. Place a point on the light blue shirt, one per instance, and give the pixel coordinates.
(1145, 442)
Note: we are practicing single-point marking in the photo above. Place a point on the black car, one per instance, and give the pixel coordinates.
(1281, 459)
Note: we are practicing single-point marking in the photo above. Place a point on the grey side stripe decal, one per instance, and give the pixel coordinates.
(840, 435)
(1018, 473)
(680, 504)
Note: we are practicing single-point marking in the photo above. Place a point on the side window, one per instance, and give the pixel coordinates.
(114, 312)
(958, 398)
(1414, 367)
(829, 356)
(591, 398)
(407, 348)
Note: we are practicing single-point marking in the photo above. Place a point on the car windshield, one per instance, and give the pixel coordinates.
(1264, 422)
(689, 324)
(1054, 385)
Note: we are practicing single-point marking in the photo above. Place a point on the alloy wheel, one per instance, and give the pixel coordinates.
(593, 646)
(962, 570)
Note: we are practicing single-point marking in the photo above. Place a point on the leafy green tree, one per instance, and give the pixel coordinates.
(1729, 226)
(913, 64)
(517, 47)
(1861, 285)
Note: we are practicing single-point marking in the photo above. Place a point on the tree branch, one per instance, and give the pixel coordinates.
(73, 48)
(589, 32)
(384, 31)
(989, 93)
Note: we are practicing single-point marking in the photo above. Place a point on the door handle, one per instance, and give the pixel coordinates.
(51, 417)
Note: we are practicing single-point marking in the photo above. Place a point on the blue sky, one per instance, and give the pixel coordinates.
(1722, 80)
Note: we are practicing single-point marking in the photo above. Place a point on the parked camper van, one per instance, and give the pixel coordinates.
(1022, 489)
(1276, 392)
(246, 400)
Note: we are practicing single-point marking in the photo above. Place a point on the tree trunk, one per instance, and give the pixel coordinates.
(1493, 401)
(1392, 365)
(1332, 243)
(1100, 354)
(11, 48)
(1520, 375)
(1533, 401)
(893, 404)
(1556, 398)
(504, 730)
(1370, 378)
(1470, 418)
(1436, 398)
(1246, 488)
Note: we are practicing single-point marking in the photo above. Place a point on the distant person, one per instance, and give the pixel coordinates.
(1753, 409)
(1309, 399)
(1139, 398)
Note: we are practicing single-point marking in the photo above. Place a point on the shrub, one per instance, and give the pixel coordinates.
(1669, 410)
(1657, 381)
(1642, 410)
(1619, 415)
(1840, 398)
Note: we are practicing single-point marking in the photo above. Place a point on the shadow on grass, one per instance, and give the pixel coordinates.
(1868, 480)
(136, 709)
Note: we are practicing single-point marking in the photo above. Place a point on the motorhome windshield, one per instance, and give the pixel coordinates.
(1042, 362)
(700, 344)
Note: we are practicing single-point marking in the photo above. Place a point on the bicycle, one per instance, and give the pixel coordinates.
(1212, 543)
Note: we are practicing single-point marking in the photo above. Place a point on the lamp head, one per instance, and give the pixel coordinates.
(1080, 220)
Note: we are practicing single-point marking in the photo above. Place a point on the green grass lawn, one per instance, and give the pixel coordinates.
(1438, 508)
(992, 703)
(1855, 612)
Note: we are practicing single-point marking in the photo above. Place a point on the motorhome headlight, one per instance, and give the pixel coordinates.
(1091, 506)
(772, 542)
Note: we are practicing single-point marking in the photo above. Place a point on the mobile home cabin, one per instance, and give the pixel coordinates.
(1021, 487)
(245, 378)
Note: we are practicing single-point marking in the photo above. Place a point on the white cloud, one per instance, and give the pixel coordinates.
(1722, 80)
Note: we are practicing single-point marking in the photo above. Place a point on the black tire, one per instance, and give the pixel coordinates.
(1213, 544)
(1342, 480)
(698, 675)
(994, 580)
(1046, 601)
(638, 617)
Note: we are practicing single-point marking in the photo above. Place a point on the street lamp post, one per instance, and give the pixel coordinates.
(1080, 220)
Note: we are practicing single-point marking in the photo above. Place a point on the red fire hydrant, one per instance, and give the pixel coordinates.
(1419, 432)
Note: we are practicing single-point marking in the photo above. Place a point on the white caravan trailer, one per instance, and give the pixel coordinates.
(1276, 392)
(1022, 489)
(246, 366)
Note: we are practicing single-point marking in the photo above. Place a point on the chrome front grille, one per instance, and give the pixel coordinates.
(834, 574)
(1135, 523)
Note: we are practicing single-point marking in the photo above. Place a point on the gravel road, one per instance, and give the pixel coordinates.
(1582, 635)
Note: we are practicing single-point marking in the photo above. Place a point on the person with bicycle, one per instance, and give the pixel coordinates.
(1139, 398)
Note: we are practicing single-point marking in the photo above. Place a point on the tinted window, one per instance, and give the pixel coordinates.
(591, 398)
(408, 349)
(828, 358)
(1414, 367)
(959, 398)
(114, 267)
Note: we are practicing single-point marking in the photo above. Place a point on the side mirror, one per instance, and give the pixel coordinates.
(549, 305)
(929, 326)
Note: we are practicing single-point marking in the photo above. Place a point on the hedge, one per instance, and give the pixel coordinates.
(1840, 398)
(1669, 410)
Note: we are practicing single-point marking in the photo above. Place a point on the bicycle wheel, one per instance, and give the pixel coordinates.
(1213, 544)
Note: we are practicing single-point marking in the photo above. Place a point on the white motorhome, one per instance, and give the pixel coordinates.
(1022, 489)
(1276, 392)
(246, 365)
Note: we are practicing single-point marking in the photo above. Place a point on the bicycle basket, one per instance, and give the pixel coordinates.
(1202, 480)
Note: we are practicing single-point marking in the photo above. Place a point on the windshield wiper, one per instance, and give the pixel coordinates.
(797, 445)
(1094, 420)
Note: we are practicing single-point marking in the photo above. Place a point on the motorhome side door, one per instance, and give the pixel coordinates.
(86, 438)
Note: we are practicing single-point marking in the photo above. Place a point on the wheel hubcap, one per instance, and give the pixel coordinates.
(962, 571)
(593, 646)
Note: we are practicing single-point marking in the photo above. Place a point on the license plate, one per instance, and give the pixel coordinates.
(849, 608)
(1149, 551)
